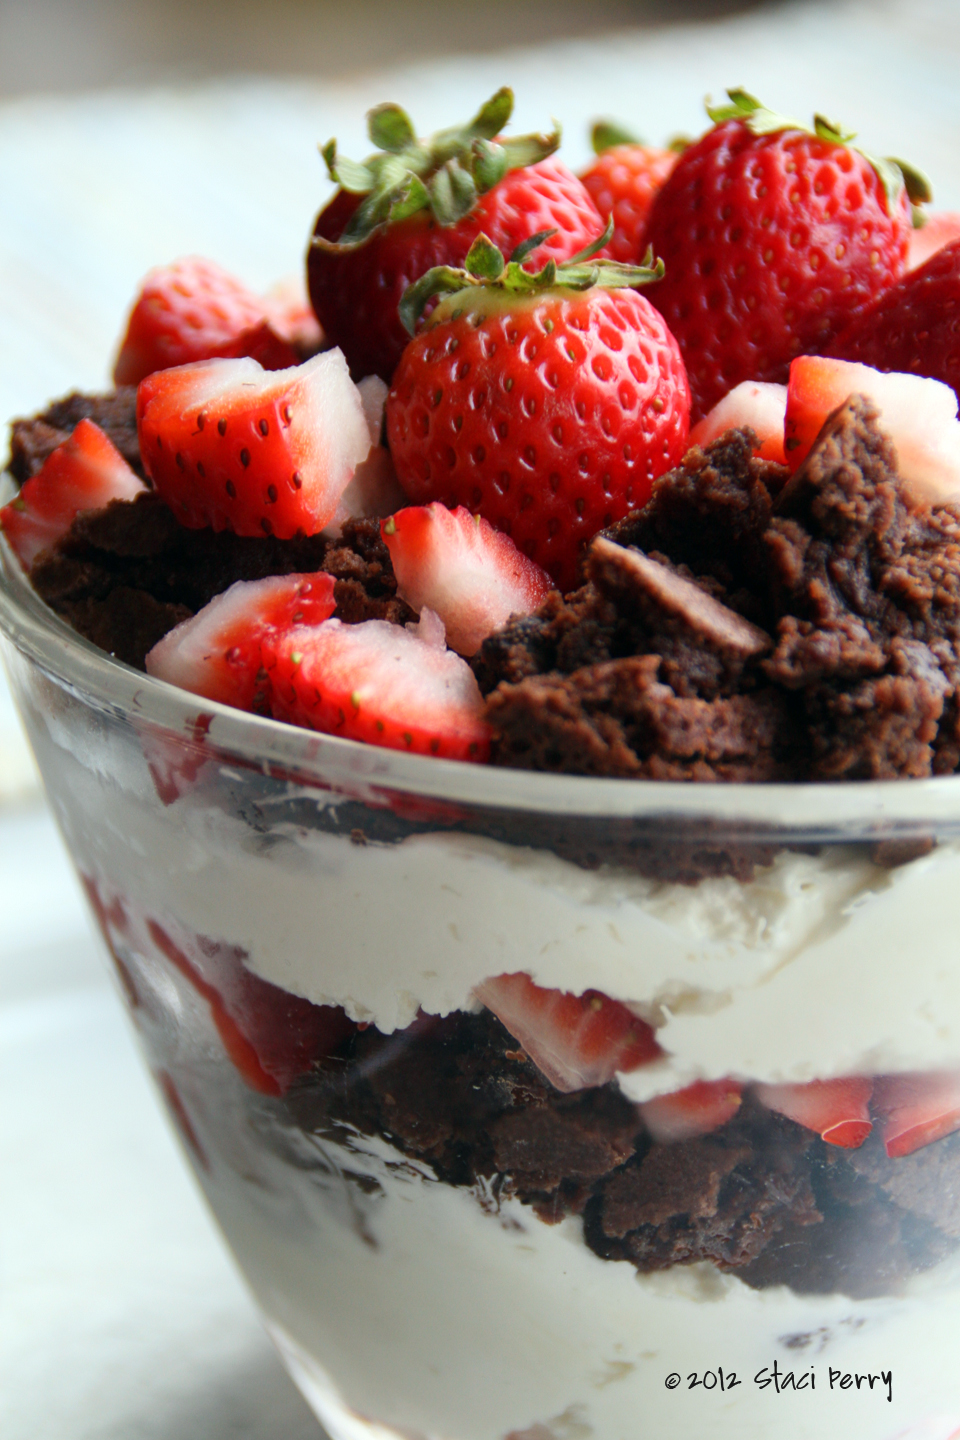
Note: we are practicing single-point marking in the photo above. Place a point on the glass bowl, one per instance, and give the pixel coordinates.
(445, 1244)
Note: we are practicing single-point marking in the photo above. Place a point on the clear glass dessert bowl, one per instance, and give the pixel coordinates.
(444, 1243)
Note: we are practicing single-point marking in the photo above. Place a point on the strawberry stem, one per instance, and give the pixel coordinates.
(445, 174)
(485, 268)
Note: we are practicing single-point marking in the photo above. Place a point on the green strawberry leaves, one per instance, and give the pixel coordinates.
(894, 175)
(486, 269)
(445, 174)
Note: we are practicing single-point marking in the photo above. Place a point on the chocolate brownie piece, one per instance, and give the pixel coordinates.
(760, 1196)
(33, 441)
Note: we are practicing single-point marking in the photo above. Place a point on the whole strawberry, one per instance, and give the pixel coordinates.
(547, 403)
(624, 181)
(422, 203)
(773, 237)
(915, 326)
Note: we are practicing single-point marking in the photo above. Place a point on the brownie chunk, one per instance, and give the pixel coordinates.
(32, 441)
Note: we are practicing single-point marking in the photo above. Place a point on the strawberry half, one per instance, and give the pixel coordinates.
(917, 1108)
(193, 310)
(838, 1110)
(459, 566)
(758, 404)
(85, 473)
(270, 1035)
(918, 415)
(379, 683)
(696, 1110)
(236, 447)
(216, 653)
(575, 1041)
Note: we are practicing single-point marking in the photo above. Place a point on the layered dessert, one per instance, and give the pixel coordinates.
(530, 855)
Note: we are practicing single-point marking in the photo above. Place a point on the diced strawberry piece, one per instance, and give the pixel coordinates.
(175, 762)
(240, 448)
(939, 229)
(696, 1110)
(838, 1110)
(459, 566)
(270, 1035)
(760, 405)
(291, 316)
(85, 473)
(263, 344)
(919, 416)
(374, 491)
(193, 310)
(216, 653)
(575, 1041)
(379, 683)
(917, 1108)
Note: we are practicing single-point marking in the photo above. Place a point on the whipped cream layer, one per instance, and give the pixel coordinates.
(823, 965)
(413, 1309)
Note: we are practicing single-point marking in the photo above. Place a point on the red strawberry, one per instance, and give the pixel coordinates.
(915, 326)
(919, 415)
(701, 1107)
(576, 1041)
(549, 403)
(270, 1035)
(838, 1110)
(469, 574)
(240, 448)
(761, 406)
(194, 310)
(772, 236)
(380, 683)
(422, 203)
(216, 653)
(939, 228)
(623, 182)
(917, 1108)
(86, 472)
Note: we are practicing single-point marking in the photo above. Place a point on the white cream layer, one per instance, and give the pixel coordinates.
(437, 1317)
(823, 965)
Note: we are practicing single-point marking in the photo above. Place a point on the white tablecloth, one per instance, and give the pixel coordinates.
(120, 1317)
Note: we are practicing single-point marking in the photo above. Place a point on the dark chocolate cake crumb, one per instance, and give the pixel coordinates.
(33, 441)
(761, 1196)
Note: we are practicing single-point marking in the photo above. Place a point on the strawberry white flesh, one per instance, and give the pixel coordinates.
(838, 1110)
(216, 653)
(918, 415)
(756, 403)
(259, 452)
(575, 1041)
(472, 575)
(379, 683)
(696, 1110)
(917, 1108)
(86, 472)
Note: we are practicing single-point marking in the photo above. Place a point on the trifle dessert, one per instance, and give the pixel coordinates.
(505, 718)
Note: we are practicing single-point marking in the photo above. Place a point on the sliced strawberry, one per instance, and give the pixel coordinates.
(760, 405)
(575, 1041)
(240, 448)
(174, 763)
(270, 1035)
(379, 683)
(374, 491)
(470, 574)
(216, 653)
(917, 1108)
(699, 1108)
(193, 310)
(86, 472)
(838, 1110)
(939, 229)
(919, 416)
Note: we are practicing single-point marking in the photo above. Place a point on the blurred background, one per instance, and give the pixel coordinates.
(69, 45)
(135, 131)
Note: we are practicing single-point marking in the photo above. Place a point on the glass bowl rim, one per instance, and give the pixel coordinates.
(838, 810)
